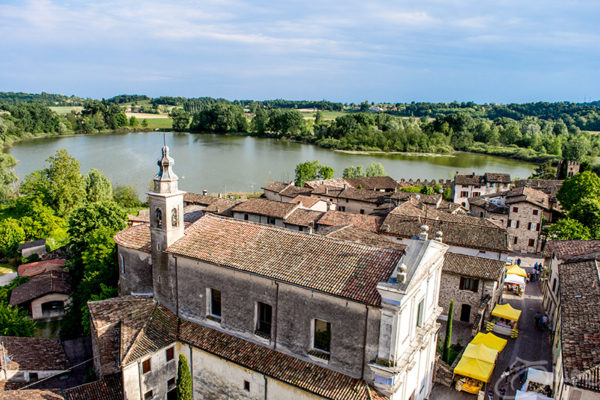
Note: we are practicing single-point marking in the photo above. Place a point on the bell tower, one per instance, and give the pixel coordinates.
(166, 227)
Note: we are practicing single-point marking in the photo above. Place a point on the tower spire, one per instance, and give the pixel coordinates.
(165, 180)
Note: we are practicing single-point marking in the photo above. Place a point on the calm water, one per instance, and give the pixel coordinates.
(228, 163)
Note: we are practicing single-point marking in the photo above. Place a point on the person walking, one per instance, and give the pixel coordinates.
(537, 319)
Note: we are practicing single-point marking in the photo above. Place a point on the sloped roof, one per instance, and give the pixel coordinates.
(110, 387)
(304, 218)
(31, 394)
(356, 235)
(580, 322)
(35, 243)
(488, 177)
(39, 267)
(40, 285)
(471, 266)
(529, 195)
(374, 182)
(460, 230)
(306, 201)
(337, 218)
(222, 206)
(313, 261)
(201, 199)
(136, 238)
(567, 249)
(269, 208)
(34, 354)
(291, 370)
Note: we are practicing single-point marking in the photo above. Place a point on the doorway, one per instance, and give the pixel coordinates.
(465, 313)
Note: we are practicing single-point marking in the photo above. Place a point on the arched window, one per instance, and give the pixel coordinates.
(158, 218)
(174, 219)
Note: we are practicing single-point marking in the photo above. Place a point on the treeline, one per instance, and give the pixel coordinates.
(281, 103)
(127, 98)
(48, 99)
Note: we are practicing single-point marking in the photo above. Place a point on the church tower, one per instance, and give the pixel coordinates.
(166, 227)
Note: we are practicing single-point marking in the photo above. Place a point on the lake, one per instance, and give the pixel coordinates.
(224, 164)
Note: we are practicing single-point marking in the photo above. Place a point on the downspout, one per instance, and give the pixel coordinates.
(276, 318)
(266, 381)
(192, 365)
(364, 355)
(140, 379)
(176, 288)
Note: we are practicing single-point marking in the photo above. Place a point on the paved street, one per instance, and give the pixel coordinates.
(531, 347)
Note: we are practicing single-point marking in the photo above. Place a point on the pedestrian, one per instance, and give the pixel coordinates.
(519, 262)
(505, 375)
(544, 321)
(537, 319)
(490, 394)
(501, 393)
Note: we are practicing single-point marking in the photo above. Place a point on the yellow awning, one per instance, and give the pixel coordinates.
(481, 352)
(507, 312)
(490, 340)
(516, 270)
(473, 368)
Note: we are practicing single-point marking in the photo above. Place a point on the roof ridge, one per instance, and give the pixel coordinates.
(137, 335)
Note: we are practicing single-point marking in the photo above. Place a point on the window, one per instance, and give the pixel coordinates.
(517, 225)
(271, 220)
(172, 390)
(174, 218)
(529, 225)
(148, 395)
(215, 303)
(33, 376)
(554, 285)
(464, 194)
(322, 336)
(535, 212)
(146, 366)
(515, 240)
(171, 383)
(469, 284)
(481, 214)
(515, 209)
(122, 264)
(246, 386)
(475, 194)
(263, 320)
(362, 211)
(170, 353)
(420, 313)
(537, 227)
(158, 217)
(531, 242)
(509, 223)
(342, 208)
(245, 217)
(300, 229)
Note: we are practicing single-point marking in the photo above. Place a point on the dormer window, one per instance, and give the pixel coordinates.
(174, 218)
(158, 218)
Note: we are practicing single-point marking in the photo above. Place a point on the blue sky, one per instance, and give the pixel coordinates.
(398, 51)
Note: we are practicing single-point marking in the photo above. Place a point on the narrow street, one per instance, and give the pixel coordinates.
(532, 348)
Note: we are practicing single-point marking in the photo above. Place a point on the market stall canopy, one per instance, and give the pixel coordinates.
(490, 340)
(516, 270)
(507, 312)
(530, 396)
(539, 376)
(516, 279)
(473, 368)
(481, 352)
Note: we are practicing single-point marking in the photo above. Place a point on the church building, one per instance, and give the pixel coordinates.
(263, 312)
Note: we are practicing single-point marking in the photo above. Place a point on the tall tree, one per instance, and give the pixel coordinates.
(448, 338)
(584, 184)
(14, 322)
(126, 196)
(8, 178)
(184, 380)
(375, 169)
(97, 186)
(568, 229)
(181, 119)
(311, 170)
(544, 171)
(11, 236)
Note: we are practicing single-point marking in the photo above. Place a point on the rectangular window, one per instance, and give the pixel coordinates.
(146, 366)
(475, 194)
(245, 217)
(515, 209)
(171, 383)
(33, 376)
(529, 226)
(263, 321)
(420, 314)
(554, 285)
(531, 242)
(537, 227)
(246, 386)
(215, 303)
(469, 284)
(148, 395)
(515, 240)
(122, 264)
(170, 353)
(362, 211)
(322, 336)
(271, 220)
(509, 223)
(517, 225)
(535, 212)
(464, 194)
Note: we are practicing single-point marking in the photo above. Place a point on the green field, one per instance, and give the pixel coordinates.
(62, 110)
(159, 123)
(327, 115)
(6, 269)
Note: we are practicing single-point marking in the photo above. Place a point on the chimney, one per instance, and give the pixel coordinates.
(204, 192)
(423, 235)
(326, 190)
(401, 276)
(330, 206)
(438, 236)
(345, 186)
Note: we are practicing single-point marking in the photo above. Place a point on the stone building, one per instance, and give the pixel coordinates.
(30, 248)
(263, 312)
(24, 359)
(466, 186)
(45, 295)
(281, 191)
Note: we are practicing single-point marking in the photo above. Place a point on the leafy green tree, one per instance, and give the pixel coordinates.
(134, 122)
(353, 172)
(448, 338)
(144, 123)
(11, 236)
(220, 118)
(181, 119)
(8, 178)
(587, 211)
(311, 170)
(584, 184)
(428, 190)
(60, 185)
(126, 196)
(576, 148)
(97, 186)
(37, 220)
(318, 117)
(14, 322)
(568, 229)
(184, 379)
(260, 121)
(544, 171)
(375, 169)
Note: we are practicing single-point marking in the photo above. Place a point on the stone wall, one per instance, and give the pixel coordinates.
(450, 290)
(524, 216)
(135, 271)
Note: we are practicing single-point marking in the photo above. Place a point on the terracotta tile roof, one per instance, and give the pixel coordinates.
(276, 186)
(356, 235)
(475, 267)
(306, 201)
(374, 183)
(433, 200)
(329, 191)
(291, 370)
(494, 177)
(39, 267)
(31, 395)
(40, 285)
(313, 261)
(567, 249)
(483, 202)
(33, 354)
(222, 206)
(143, 216)
(488, 177)
(35, 243)
(364, 195)
(548, 186)
(333, 182)
(269, 208)
(293, 191)
(529, 195)
(580, 322)
(110, 387)
(136, 238)
(304, 218)
(459, 230)
(200, 199)
(361, 221)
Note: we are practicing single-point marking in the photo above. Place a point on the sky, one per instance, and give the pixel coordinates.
(349, 51)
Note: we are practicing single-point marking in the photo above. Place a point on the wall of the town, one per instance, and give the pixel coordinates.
(355, 207)
(36, 305)
(524, 215)
(294, 310)
(135, 382)
(135, 271)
